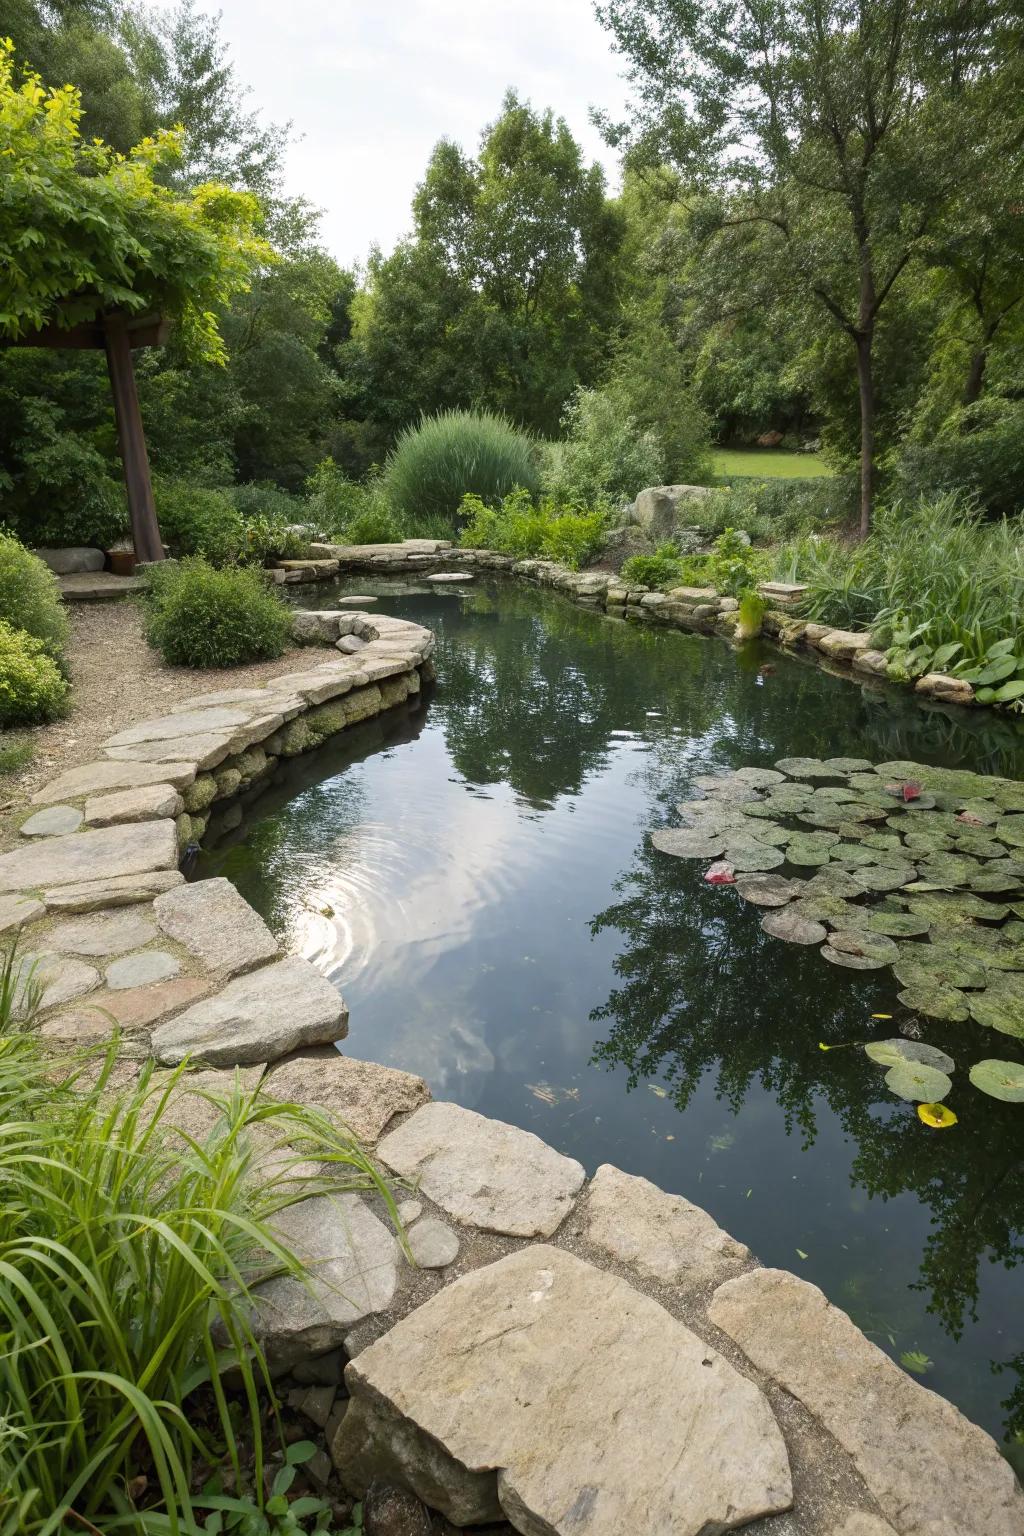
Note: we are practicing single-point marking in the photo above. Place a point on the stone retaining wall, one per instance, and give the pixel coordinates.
(584, 1357)
(699, 609)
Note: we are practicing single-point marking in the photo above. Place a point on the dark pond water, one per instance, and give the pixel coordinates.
(501, 926)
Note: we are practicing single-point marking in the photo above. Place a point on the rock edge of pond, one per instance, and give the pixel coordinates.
(569, 1355)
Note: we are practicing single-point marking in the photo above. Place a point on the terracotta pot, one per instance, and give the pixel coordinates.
(122, 561)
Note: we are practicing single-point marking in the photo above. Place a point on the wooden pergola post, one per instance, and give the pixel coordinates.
(131, 439)
(117, 333)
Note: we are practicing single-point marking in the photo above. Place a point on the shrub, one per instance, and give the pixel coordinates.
(662, 569)
(30, 596)
(203, 617)
(525, 530)
(605, 456)
(268, 538)
(769, 510)
(31, 686)
(261, 498)
(979, 454)
(354, 512)
(435, 464)
(732, 567)
(197, 521)
(127, 1251)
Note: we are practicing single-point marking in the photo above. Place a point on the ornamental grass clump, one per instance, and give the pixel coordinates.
(128, 1253)
(447, 456)
(203, 617)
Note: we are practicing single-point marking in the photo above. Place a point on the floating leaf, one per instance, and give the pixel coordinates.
(914, 1360)
(913, 1080)
(788, 924)
(936, 1115)
(801, 1253)
(889, 1053)
(682, 843)
(881, 1015)
(767, 890)
(999, 1079)
(751, 856)
(936, 1000)
(859, 950)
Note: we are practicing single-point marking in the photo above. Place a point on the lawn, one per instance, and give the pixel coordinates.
(767, 464)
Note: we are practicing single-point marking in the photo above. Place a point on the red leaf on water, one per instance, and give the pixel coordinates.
(718, 875)
(911, 791)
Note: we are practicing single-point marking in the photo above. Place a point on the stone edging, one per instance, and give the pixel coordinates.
(699, 609)
(584, 1357)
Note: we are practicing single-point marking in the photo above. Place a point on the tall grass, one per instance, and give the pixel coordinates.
(933, 564)
(126, 1248)
(446, 456)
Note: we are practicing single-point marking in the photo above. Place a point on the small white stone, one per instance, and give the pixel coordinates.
(409, 1211)
(432, 1244)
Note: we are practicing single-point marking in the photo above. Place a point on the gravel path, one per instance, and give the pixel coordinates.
(117, 680)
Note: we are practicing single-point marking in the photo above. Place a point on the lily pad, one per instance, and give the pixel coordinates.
(936, 1000)
(832, 880)
(954, 908)
(984, 810)
(886, 877)
(898, 925)
(853, 854)
(998, 877)
(889, 1053)
(766, 890)
(802, 850)
(749, 856)
(767, 832)
(921, 963)
(917, 1083)
(759, 810)
(805, 768)
(831, 817)
(980, 846)
(824, 907)
(999, 1079)
(725, 787)
(788, 924)
(833, 794)
(1011, 831)
(928, 840)
(788, 798)
(759, 778)
(843, 765)
(1001, 1005)
(859, 950)
(684, 843)
(950, 868)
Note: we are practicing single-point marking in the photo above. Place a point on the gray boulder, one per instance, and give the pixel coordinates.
(657, 509)
(74, 561)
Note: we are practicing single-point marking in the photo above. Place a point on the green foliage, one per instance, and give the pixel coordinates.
(195, 520)
(30, 596)
(525, 529)
(105, 1202)
(651, 382)
(752, 610)
(15, 753)
(453, 454)
(32, 689)
(732, 567)
(203, 617)
(262, 498)
(773, 510)
(605, 457)
(662, 569)
(979, 454)
(86, 230)
(351, 511)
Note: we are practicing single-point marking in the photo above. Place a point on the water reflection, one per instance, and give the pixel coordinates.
(474, 872)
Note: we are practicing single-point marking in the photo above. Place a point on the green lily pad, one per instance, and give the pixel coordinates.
(789, 925)
(829, 817)
(766, 832)
(789, 798)
(984, 810)
(919, 963)
(746, 857)
(833, 794)
(844, 765)
(928, 840)
(890, 1053)
(998, 877)
(917, 1083)
(832, 880)
(999, 1079)
(936, 1000)
(991, 947)
(954, 908)
(683, 843)
(853, 854)
(805, 768)
(1011, 831)
(759, 778)
(823, 907)
(859, 949)
(725, 787)
(951, 868)
(888, 842)
(709, 816)
(886, 877)
(802, 850)
(759, 810)
(980, 846)
(767, 890)
(1001, 1005)
(898, 925)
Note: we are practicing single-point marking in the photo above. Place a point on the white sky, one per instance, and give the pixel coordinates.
(373, 84)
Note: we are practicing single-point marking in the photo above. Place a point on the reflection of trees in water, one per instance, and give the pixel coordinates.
(702, 990)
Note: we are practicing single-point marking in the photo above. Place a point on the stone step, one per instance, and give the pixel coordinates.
(543, 1390)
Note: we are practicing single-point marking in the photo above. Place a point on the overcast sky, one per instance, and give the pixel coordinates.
(371, 85)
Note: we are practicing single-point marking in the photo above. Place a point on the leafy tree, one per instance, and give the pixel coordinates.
(836, 136)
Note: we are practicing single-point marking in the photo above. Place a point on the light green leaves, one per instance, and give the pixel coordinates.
(999, 1079)
(917, 1083)
(894, 1053)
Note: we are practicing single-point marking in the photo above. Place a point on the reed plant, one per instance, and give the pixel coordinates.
(128, 1249)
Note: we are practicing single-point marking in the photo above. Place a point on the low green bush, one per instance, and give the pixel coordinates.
(127, 1254)
(526, 529)
(352, 511)
(195, 520)
(266, 538)
(261, 498)
(454, 454)
(199, 616)
(30, 596)
(979, 455)
(732, 567)
(605, 458)
(662, 569)
(32, 689)
(770, 510)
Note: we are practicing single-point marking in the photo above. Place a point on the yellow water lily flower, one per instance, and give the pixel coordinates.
(936, 1115)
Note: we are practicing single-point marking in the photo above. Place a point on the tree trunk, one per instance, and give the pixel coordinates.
(866, 385)
(132, 441)
(975, 376)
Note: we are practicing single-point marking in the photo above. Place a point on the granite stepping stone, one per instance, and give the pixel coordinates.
(54, 821)
(359, 1096)
(104, 853)
(661, 1237)
(109, 933)
(217, 925)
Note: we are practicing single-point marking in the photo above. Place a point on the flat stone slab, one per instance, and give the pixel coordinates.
(204, 751)
(122, 891)
(54, 979)
(257, 1017)
(440, 578)
(55, 821)
(662, 1237)
(109, 933)
(483, 1172)
(191, 722)
(16, 911)
(98, 586)
(551, 1393)
(358, 1095)
(129, 1010)
(99, 777)
(356, 601)
(104, 853)
(150, 802)
(217, 925)
(352, 1259)
(141, 969)
(932, 1472)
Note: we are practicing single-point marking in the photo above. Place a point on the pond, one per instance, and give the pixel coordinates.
(475, 874)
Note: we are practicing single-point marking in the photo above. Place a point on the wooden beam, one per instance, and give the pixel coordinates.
(141, 507)
(150, 330)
